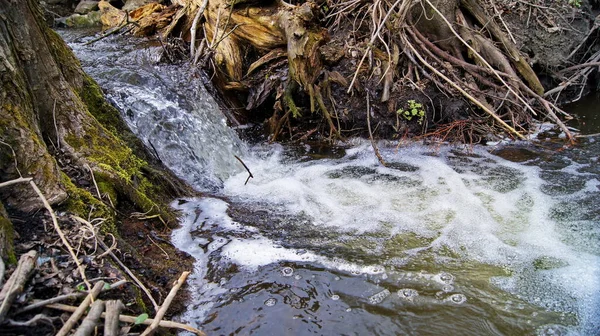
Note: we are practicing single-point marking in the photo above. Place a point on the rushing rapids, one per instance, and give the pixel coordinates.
(480, 241)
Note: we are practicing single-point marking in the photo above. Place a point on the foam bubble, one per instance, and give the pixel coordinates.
(408, 294)
(287, 271)
(457, 299)
(270, 302)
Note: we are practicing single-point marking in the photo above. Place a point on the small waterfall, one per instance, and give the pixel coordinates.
(166, 106)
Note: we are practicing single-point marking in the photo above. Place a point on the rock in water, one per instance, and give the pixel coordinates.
(86, 6)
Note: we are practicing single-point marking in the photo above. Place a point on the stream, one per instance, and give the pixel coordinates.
(496, 240)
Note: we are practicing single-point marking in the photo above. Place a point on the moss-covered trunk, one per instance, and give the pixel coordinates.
(55, 126)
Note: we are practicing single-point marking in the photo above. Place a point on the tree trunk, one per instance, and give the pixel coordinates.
(55, 124)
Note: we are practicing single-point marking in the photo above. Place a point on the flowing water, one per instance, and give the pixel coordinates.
(324, 240)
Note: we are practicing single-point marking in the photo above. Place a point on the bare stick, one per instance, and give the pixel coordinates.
(15, 181)
(94, 180)
(55, 125)
(379, 157)
(61, 234)
(90, 322)
(15, 284)
(163, 309)
(2, 269)
(132, 319)
(39, 304)
(247, 169)
(81, 309)
(111, 325)
(194, 28)
(33, 321)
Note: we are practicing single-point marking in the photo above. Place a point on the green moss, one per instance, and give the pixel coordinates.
(106, 114)
(83, 204)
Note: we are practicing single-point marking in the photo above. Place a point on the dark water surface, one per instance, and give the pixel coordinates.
(498, 240)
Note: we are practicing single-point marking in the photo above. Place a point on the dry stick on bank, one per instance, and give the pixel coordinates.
(15, 284)
(165, 306)
(90, 322)
(111, 323)
(132, 319)
(81, 309)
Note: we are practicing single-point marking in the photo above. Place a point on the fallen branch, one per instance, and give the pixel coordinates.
(113, 310)
(132, 319)
(90, 322)
(33, 321)
(247, 169)
(165, 306)
(81, 309)
(15, 284)
(40, 304)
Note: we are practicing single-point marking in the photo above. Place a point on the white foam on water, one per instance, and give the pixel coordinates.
(260, 251)
(495, 214)
(481, 207)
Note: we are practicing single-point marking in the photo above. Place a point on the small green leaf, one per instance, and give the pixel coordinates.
(80, 288)
(106, 286)
(140, 319)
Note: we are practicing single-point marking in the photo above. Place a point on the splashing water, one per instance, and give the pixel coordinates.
(468, 241)
(440, 240)
(166, 106)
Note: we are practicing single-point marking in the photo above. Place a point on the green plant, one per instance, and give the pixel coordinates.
(575, 3)
(414, 110)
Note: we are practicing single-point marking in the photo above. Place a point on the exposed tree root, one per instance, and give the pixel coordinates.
(392, 44)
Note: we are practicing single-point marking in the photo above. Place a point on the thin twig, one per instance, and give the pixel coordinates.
(163, 309)
(33, 321)
(153, 242)
(43, 303)
(61, 234)
(55, 125)
(247, 169)
(379, 157)
(94, 180)
(194, 28)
